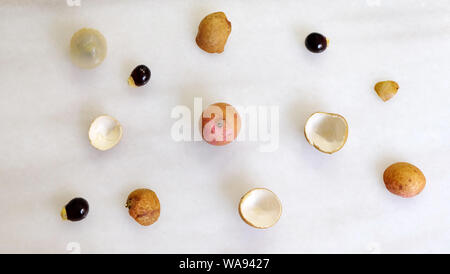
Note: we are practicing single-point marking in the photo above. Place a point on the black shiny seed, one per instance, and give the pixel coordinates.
(141, 75)
(77, 209)
(316, 42)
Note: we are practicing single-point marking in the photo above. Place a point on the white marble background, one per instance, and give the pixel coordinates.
(334, 203)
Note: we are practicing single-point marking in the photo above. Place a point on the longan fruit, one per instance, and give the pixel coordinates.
(404, 179)
(143, 205)
(213, 32)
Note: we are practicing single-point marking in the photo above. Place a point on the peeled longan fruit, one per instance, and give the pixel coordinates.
(88, 48)
(213, 32)
(143, 205)
(404, 179)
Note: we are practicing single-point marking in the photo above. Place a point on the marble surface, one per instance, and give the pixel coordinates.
(331, 203)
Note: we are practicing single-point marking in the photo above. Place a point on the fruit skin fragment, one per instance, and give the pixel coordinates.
(386, 89)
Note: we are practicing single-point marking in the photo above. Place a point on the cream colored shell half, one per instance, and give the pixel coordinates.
(105, 132)
(88, 48)
(327, 132)
(260, 208)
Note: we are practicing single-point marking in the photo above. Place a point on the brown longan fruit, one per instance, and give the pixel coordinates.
(143, 205)
(213, 32)
(404, 179)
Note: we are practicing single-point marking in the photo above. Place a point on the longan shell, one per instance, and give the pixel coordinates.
(213, 32)
(386, 89)
(404, 179)
(143, 205)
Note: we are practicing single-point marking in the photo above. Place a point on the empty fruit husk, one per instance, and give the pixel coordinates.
(105, 132)
(327, 132)
(260, 208)
(386, 89)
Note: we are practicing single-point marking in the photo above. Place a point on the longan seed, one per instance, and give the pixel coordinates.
(76, 210)
(316, 42)
(139, 76)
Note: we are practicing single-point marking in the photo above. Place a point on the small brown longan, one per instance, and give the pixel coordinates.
(404, 179)
(213, 32)
(143, 205)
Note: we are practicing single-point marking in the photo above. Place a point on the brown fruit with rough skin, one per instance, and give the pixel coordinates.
(143, 205)
(213, 32)
(386, 89)
(404, 179)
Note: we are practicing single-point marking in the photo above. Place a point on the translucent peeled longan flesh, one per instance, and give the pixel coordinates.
(88, 48)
